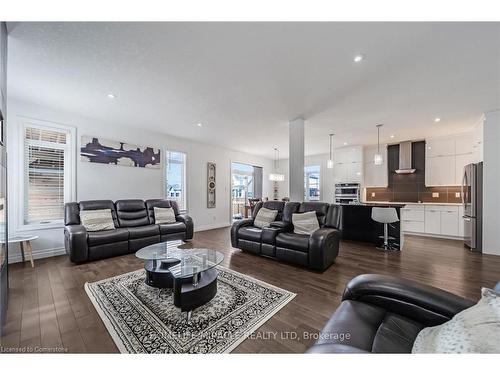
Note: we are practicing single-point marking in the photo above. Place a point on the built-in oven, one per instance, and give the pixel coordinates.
(346, 193)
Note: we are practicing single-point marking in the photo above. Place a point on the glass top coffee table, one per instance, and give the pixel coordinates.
(190, 272)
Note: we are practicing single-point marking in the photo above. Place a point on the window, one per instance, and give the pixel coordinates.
(48, 173)
(176, 178)
(312, 183)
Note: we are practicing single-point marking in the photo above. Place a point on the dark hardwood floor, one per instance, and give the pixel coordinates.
(49, 308)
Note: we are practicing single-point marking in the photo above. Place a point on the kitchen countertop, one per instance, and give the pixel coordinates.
(415, 203)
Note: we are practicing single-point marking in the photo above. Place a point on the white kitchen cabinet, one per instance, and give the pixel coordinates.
(432, 221)
(348, 164)
(439, 147)
(440, 171)
(375, 175)
(463, 144)
(477, 146)
(449, 223)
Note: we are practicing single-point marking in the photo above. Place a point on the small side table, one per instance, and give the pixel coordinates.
(25, 245)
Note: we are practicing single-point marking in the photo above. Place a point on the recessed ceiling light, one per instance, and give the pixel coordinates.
(392, 135)
(358, 58)
(345, 143)
(437, 119)
(199, 124)
(111, 96)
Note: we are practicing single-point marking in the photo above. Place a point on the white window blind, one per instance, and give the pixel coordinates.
(176, 178)
(46, 154)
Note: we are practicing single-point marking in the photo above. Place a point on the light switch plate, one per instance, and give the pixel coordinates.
(373, 195)
(435, 195)
(457, 195)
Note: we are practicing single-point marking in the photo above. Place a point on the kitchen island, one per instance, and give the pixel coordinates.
(357, 224)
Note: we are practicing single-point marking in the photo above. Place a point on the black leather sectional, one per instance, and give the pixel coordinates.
(317, 251)
(134, 228)
(384, 314)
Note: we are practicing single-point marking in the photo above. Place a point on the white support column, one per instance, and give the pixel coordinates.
(491, 183)
(296, 159)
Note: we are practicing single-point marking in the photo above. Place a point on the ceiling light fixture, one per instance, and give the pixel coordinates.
(345, 143)
(358, 58)
(199, 124)
(111, 96)
(276, 176)
(392, 135)
(329, 163)
(437, 119)
(378, 159)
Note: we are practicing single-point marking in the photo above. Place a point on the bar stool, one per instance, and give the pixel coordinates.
(386, 216)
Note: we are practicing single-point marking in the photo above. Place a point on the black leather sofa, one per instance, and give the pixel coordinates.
(317, 251)
(134, 228)
(384, 314)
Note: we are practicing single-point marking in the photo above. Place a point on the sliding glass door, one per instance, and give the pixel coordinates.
(246, 185)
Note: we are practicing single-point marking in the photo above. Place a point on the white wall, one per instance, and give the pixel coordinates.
(491, 183)
(326, 180)
(100, 181)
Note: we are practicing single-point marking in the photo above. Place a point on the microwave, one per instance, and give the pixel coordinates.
(346, 193)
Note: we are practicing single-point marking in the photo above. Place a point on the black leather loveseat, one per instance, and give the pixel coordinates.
(384, 314)
(317, 251)
(134, 228)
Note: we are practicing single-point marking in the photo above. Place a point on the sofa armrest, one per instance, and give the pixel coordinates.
(423, 303)
(323, 248)
(236, 227)
(188, 221)
(285, 225)
(75, 243)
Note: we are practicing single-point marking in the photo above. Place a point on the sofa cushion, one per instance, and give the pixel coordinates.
(176, 227)
(265, 217)
(474, 330)
(107, 236)
(305, 223)
(250, 234)
(131, 213)
(164, 215)
(99, 205)
(163, 203)
(97, 220)
(144, 231)
(293, 241)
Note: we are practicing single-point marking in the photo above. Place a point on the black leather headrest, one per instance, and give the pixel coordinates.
(163, 203)
(321, 209)
(132, 213)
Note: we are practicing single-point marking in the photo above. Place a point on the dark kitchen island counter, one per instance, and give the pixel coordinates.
(357, 224)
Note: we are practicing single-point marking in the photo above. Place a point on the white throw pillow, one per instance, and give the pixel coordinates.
(305, 223)
(474, 330)
(97, 220)
(164, 215)
(265, 217)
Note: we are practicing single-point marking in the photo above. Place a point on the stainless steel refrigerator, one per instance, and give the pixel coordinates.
(472, 200)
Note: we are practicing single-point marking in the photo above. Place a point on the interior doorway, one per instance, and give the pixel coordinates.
(246, 185)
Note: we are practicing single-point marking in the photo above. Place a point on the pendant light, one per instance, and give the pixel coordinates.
(329, 163)
(378, 159)
(276, 176)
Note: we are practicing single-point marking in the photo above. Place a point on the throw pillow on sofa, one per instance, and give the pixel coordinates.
(97, 220)
(474, 330)
(305, 223)
(164, 215)
(265, 217)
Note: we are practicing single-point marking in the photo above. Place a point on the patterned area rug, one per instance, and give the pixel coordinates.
(141, 321)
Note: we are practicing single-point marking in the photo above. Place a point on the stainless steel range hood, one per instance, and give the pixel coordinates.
(405, 159)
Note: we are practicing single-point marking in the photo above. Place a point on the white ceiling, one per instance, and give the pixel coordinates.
(244, 81)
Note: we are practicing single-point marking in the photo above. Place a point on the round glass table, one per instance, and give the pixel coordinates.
(190, 272)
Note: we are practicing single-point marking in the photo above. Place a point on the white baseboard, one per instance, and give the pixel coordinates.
(210, 226)
(434, 236)
(37, 254)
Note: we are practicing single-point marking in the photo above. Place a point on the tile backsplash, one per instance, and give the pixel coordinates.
(411, 187)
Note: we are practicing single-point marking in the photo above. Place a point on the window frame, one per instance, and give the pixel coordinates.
(307, 197)
(69, 170)
(165, 181)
